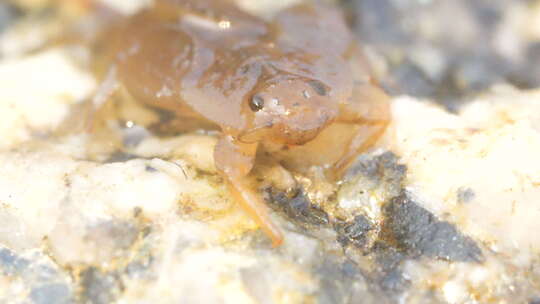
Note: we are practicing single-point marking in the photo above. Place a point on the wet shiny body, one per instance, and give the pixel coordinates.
(276, 83)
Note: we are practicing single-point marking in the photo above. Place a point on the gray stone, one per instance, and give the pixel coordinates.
(354, 232)
(10, 263)
(51, 293)
(8, 14)
(99, 287)
(420, 233)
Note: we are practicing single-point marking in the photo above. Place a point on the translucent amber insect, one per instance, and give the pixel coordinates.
(263, 84)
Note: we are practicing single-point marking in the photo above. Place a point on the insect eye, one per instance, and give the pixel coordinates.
(256, 103)
(318, 87)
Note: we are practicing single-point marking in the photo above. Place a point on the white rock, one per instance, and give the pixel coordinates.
(32, 190)
(119, 188)
(454, 292)
(36, 94)
(491, 148)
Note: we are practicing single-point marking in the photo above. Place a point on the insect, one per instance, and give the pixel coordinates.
(264, 84)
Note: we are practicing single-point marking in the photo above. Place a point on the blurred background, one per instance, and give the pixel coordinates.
(439, 49)
(449, 49)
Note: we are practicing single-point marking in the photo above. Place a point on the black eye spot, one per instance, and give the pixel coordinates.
(318, 87)
(256, 103)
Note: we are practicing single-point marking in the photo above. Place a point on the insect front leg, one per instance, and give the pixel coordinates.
(234, 161)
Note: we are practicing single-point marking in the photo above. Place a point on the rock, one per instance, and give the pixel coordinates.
(354, 232)
(441, 212)
(99, 287)
(51, 293)
(34, 278)
(298, 207)
(8, 14)
(489, 147)
(57, 84)
(419, 233)
(428, 55)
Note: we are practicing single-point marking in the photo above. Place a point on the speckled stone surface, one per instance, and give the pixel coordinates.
(443, 210)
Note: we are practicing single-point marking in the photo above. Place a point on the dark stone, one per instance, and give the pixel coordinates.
(99, 287)
(336, 280)
(468, 74)
(10, 263)
(148, 168)
(420, 233)
(377, 21)
(51, 293)
(534, 300)
(140, 267)
(384, 273)
(409, 79)
(381, 171)
(8, 14)
(354, 232)
(394, 282)
(527, 76)
(298, 207)
(395, 30)
(119, 156)
(388, 258)
(488, 15)
(477, 73)
(379, 168)
(465, 195)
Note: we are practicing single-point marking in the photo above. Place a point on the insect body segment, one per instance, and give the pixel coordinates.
(261, 83)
